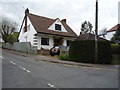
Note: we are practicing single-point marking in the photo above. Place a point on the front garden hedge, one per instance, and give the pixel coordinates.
(84, 51)
(115, 49)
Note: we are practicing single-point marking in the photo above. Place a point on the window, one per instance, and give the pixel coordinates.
(34, 40)
(68, 42)
(35, 43)
(34, 37)
(44, 41)
(35, 34)
(57, 27)
(28, 27)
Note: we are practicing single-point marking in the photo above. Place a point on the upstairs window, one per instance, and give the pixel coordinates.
(57, 27)
(44, 41)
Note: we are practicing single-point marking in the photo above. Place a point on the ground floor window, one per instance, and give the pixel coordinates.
(44, 41)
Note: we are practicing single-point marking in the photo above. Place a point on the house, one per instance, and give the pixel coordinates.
(45, 32)
(1, 40)
(112, 31)
(89, 36)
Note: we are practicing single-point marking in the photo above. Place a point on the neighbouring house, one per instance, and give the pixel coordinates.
(112, 31)
(89, 36)
(1, 40)
(45, 32)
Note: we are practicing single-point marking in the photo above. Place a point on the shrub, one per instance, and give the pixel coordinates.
(104, 52)
(79, 51)
(64, 56)
(115, 49)
(84, 51)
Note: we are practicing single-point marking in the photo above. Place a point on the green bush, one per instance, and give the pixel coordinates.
(104, 52)
(64, 56)
(115, 49)
(84, 51)
(12, 38)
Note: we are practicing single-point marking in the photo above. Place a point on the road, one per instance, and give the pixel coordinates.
(24, 72)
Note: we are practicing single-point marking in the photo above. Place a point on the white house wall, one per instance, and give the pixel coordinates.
(1, 40)
(51, 41)
(29, 34)
(64, 42)
(110, 35)
(52, 27)
(47, 47)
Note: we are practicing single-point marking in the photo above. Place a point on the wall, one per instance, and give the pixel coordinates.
(1, 40)
(47, 47)
(51, 41)
(29, 34)
(110, 35)
(52, 27)
(20, 46)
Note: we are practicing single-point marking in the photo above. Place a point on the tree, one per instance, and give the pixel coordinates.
(13, 38)
(103, 32)
(116, 37)
(86, 27)
(7, 28)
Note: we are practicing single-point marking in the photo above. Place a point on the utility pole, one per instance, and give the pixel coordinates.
(96, 32)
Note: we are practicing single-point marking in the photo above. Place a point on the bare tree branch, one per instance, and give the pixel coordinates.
(7, 27)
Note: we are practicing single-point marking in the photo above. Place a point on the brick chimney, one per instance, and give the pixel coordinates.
(63, 20)
(26, 12)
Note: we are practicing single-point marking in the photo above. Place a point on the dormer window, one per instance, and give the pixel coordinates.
(57, 27)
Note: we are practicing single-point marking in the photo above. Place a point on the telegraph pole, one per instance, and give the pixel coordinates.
(96, 32)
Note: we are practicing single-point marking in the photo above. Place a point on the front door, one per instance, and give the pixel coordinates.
(58, 41)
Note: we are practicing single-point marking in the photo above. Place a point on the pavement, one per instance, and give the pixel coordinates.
(51, 59)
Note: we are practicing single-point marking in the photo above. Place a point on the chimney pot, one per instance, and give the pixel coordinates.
(26, 11)
(64, 20)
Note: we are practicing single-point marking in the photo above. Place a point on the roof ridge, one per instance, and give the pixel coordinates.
(42, 16)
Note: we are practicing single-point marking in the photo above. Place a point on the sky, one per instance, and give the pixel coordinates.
(75, 11)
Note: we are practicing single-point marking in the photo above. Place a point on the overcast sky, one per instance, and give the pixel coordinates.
(75, 11)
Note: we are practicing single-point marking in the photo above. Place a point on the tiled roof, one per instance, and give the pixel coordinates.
(89, 36)
(113, 28)
(41, 25)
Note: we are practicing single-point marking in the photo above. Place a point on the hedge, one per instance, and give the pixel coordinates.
(115, 49)
(84, 51)
(64, 56)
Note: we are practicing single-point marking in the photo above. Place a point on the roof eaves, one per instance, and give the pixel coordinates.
(57, 34)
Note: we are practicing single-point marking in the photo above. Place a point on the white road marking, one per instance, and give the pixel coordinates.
(2, 57)
(20, 67)
(52, 86)
(24, 69)
(12, 62)
(28, 71)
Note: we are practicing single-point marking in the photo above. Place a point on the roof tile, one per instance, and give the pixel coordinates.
(41, 25)
(113, 28)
